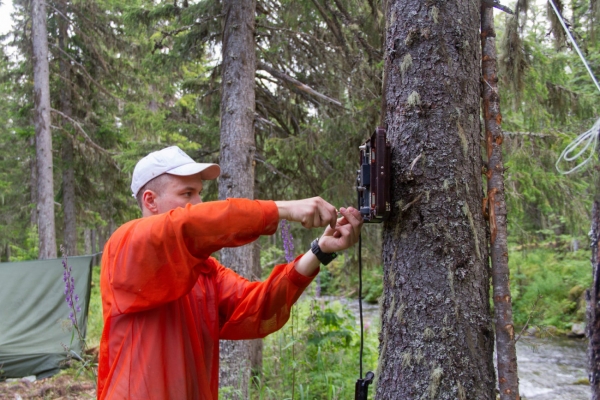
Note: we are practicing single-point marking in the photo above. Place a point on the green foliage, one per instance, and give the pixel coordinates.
(556, 102)
(29, 251)
(548, 284)
(95, 322)
(319, 358)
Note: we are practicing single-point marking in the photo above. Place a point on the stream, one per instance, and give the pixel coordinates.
(549, 369)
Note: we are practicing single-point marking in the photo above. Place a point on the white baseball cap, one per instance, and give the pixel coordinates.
(171, 160)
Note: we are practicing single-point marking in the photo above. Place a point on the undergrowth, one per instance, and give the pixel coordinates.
(325, 363)
(548, 285)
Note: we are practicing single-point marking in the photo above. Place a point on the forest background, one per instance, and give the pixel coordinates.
(144, 75)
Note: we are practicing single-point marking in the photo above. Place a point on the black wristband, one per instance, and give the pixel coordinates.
(324, 258)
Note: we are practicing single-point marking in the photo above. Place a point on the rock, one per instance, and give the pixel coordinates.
(551, 330)
(531, 331)
(578, 329)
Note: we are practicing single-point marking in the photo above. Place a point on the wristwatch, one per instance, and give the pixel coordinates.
(324, 258)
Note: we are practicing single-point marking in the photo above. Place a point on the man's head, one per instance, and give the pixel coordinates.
(169, 178)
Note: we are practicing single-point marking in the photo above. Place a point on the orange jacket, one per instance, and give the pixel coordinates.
(166, 302)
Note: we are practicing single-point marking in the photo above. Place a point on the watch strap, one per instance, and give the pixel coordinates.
(324, 258)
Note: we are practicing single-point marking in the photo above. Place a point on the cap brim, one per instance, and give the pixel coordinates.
(207, 171)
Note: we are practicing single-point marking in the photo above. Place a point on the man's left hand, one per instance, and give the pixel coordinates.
(345, 234)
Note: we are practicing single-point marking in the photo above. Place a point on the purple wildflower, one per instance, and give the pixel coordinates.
(71, 298)
(288, 240)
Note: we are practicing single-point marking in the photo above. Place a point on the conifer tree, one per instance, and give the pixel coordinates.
(237, 161)
(436, 331)
(43, 134)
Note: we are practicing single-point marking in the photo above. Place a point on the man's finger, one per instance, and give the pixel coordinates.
(330, 215)
(353, 217)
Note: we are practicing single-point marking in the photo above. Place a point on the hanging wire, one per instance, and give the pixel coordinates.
(584, 143)
(360, 361)
(587, 141)
(562, 22)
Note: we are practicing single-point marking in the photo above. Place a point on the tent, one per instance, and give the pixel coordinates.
(35, 329)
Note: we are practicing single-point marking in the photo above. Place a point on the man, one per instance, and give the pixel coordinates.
(167, 303)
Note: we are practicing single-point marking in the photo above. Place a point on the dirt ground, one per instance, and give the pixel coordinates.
(66, 385)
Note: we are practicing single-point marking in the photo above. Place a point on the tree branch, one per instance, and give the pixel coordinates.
(301, 86)
(352, 25)
(535, 134)
(83, 133)
(258, 157)
(165, 34)
(102, 88)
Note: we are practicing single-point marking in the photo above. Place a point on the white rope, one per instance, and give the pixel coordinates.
(584, 143)
(587, 141)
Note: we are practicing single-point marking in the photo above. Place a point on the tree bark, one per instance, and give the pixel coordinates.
(33, 187)
(506, 353)
(436, 339)
(87, 240)
(256, 345)
(43, 135)
(593, 301)
(68, 175)
(237, 162)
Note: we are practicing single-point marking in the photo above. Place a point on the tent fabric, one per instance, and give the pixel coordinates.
(35, 329)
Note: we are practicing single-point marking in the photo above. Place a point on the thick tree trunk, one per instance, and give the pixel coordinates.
(593, 303)
(43, 135)
(436, 337)
(237, 161)
(506, 353)
(68, 175)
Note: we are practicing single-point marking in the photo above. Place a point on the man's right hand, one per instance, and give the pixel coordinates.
(311, 213)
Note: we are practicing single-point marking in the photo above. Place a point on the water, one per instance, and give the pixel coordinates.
(549, 369)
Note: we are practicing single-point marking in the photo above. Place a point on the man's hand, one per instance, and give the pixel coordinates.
(311, 213)
(345, 234)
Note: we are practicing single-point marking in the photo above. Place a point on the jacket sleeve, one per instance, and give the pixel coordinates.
(252, 310)
(155, 260)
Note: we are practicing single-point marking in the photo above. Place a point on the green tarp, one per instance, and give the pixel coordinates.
(34, 316)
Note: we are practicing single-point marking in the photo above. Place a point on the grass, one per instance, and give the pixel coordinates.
(95, 322)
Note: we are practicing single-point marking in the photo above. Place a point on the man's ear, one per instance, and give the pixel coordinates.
(149, 201)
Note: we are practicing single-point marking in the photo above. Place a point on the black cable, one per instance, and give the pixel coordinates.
(360, 302)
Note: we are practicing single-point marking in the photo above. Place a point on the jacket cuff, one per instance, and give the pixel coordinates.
(271, 215)
(296, 277)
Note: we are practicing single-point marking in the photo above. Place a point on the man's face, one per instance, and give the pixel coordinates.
(177, 192)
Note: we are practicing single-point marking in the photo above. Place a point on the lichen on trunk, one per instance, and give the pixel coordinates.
(436, 335)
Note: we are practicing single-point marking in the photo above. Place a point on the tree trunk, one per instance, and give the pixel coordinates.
(68, 176)
(93, 240)
(101, 235)
(593, 300)
(436, 336)
(87, 240)
(33, 187)
(256, 345)
(237, 162)
(506, 353)
(43, 135)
